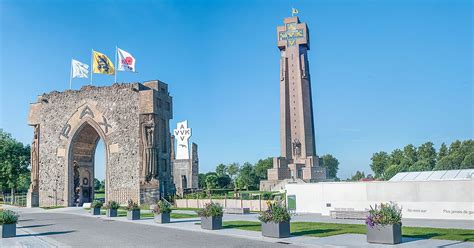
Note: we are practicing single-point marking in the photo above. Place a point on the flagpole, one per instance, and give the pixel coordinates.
(116, 69)
(92, 64)
(70, 77)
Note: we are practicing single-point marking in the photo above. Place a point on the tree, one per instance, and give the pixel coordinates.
(97, 184)
(221, 170)
(450, 162)
(443, 151)
(427, 152)
(224, 182)
(262, 166)
(454, 147)
(397, 156)
(14, 162)
(211, 181)
(247, 178)
(409, 151)
(391, 171)
(202, 180)
(331, 164)
(468, 162)
(380, 162)
(358, 176)
(232, 170)
(421, 165)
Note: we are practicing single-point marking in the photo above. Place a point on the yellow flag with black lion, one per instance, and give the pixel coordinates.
(102, 64)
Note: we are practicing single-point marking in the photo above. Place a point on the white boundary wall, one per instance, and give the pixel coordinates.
(452, 199)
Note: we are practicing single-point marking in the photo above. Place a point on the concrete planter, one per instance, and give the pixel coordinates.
(95, 211)
(276, 230)
(8, 230)
(385, 234)
(111, 212)
(211, 223)
(162, 218)
(133, 214)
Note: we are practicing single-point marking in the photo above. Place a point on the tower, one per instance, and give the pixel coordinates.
(298, 159)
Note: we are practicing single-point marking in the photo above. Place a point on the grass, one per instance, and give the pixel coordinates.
(52, 207)
(99, 195)
(123, 213)
(190, 209)
(315, 229)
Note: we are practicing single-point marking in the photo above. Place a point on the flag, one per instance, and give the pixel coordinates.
(126, 62)
(102, 64)
(294, 11)
(79, 69)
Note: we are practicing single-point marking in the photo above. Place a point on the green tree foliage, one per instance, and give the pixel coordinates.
(14, 162)
(202, 180)
(211, 181)
(380, 162)
(262, 166)
(233, 170)
(221, 170)
(247, 178)
(460, 155)
(331, 164)
(97, 184)
(443, 151)
(427, 152)
(358, 176)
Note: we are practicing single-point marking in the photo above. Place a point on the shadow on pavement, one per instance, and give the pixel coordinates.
(43, 234)
(183, 221)
(32, 226)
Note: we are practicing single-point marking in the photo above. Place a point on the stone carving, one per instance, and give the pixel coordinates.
(65, 131)
(296, 148)
(35, 160)
(149, 169)
(105, 124)
(87, 111)
(182, 134)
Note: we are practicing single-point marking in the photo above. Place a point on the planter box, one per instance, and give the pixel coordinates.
(385, 234)
(111, 212)
(276, 230)
(133, 215)
(95, 211)
(162, 218)
(211, 223)
(8, 230)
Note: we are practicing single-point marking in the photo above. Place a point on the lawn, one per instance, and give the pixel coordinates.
(123, 213)
(99, 195)
(314, 229)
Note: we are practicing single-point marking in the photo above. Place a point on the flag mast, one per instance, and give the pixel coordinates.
(92, 64)
(116, 51)
(70, 77)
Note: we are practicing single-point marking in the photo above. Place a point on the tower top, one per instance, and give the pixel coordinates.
(292, 34)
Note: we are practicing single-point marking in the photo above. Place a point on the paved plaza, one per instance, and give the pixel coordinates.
(75, 227)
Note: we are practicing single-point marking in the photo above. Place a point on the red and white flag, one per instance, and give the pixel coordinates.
(126, 62)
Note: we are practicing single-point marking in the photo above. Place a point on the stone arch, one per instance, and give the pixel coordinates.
(81, 148)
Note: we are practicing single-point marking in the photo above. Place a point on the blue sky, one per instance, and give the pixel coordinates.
(384, 73)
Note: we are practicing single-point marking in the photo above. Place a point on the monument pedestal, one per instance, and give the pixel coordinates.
(150, 192)
(32, 198)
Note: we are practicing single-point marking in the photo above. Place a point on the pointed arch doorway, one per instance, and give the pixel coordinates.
(80, 169)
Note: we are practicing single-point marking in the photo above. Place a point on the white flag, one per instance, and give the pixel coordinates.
(126, 62)
(79, 70)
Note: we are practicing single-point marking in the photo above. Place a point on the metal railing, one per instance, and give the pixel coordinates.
(17, 199)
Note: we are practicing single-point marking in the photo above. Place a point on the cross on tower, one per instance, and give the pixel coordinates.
(292, 33)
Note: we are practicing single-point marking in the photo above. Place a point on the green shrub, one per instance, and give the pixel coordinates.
(112, 205)
(8, 217)
(131, 205)
(267, 195)
(211, 209)
(386, 214)
(97, 204)
(275, 213)
(162, 207)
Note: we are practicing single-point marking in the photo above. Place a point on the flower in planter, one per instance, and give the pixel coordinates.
(211, 209)
(97, 204)
(131, 205)
(161, 207)
(8, 217)
(385, 214)
(275, 213)
(112, 205)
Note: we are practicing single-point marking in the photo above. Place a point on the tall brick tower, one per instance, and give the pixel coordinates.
(298, 158)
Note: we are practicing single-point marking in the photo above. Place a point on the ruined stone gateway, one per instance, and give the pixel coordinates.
(133, 122)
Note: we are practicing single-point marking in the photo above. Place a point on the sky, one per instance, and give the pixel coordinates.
(384, 73)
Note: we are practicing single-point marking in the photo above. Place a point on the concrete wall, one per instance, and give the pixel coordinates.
(254, 205)
(430, 199)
